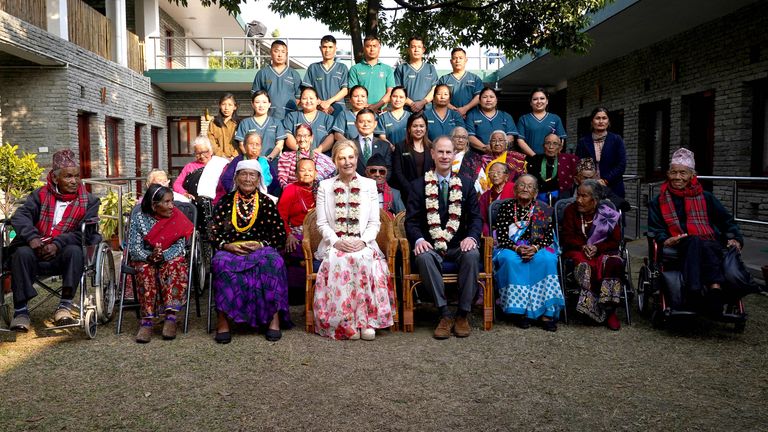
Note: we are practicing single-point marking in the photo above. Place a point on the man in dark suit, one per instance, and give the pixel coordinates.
(437, 232)
(367, 144)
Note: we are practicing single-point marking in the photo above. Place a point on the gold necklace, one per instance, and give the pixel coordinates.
(236, 212)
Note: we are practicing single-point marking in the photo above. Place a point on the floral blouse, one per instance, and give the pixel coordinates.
(141, 224)
(539, 231)
(268, 227)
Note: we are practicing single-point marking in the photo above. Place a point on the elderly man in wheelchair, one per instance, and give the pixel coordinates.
(49, 239)
(691, 227)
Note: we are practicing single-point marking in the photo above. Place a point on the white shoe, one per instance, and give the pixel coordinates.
(368, 334)
(355, 336)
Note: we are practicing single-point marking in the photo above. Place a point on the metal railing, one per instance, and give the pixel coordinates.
(253, 52)
(636, 179)
(121, 185)
(734, 192)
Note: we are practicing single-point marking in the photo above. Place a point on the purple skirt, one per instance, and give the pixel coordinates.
(251, 288)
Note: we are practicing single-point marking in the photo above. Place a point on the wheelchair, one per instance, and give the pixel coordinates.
(196, 272)
(660, 277)
(566, 267)
(98, 285)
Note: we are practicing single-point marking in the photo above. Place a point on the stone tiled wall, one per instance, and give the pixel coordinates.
(40, 105)
(718, 56)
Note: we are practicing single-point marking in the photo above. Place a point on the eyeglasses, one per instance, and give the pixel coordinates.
(551, 144)
(381, 171)
(303, 136)
(525, 186)
(204, 152)
(499, 141)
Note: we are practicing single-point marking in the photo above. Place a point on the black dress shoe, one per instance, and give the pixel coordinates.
(223, 337)
(273, 335)
(522, 322)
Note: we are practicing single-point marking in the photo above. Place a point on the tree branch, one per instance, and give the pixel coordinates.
(447, 4)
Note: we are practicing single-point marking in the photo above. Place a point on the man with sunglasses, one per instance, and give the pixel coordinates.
(389, 198)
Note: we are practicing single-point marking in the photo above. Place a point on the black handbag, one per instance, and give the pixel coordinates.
(738, 278)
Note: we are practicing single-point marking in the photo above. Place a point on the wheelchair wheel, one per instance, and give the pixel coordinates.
(90, 323)
(104, 285)
(201, 263)
(643, 292)
(6, 310)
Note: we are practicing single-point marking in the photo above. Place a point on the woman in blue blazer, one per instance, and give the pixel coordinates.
(607, 150)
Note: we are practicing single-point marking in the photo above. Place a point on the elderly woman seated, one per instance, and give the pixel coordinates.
(498, 153)
(585, 170)
(553, 170)
(590, 237)
(252, 144)
(249, 279)
(158, 176)
(297, 200)
(692, 222)
(201, 172)
(525, 263)
(286, 165)
(501, 189)
(156, 243)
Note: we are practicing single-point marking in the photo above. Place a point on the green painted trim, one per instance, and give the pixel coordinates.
(159, 76)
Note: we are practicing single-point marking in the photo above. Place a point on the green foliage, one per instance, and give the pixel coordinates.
(19, 175)
(232, 60)
(518, 27)
(231, 6)
(108, 211)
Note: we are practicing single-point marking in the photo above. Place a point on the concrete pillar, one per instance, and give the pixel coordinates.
(56, 16)
(148, 25)
(116, 13)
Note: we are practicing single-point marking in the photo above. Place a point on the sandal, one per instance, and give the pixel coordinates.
(273, 335)
(223, 337)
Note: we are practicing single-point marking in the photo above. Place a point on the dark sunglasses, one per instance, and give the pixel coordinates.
(382, 171)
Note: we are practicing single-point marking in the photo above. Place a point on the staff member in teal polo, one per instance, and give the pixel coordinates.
(278, 79)
(372, 74)
(417, 76)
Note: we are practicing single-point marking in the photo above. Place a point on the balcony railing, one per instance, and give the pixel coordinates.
(242, 52)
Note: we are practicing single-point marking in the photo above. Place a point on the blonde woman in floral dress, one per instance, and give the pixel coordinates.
(352, 293)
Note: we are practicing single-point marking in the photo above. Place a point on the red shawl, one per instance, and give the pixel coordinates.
(168, 231)
(697, 221)
(386, 191)
(73, 214)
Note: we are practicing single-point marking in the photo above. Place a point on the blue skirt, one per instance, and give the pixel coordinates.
(528, 288)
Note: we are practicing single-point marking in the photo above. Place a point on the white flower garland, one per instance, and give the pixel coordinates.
(347, 210)
(442, 236)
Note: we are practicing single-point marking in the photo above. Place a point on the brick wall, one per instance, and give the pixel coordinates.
(40, 105)
(717, 56)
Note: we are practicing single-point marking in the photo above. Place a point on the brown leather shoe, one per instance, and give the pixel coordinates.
(462, 328)
(169, 329)
(145, 334)
(443, 330)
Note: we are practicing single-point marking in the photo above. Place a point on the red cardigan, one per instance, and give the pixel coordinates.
(573, 239)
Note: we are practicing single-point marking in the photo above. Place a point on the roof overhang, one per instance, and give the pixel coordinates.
(617, 30)
(26, 56)
(205, 22)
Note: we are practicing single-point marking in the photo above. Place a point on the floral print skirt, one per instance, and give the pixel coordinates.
(352, 292)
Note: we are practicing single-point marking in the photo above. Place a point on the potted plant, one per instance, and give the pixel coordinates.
(19, 175)
(108, 225)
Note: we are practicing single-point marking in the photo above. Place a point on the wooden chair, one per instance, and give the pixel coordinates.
(411, 277)
(387, 243)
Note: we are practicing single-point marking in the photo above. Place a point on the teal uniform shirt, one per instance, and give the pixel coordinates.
(393, 128)
(481, 126)
(327, 82)
(271, 131)
(283, 89)
(345, 124)
(464, 89)
(321, 126)
(533, 130)
(437, 126)
(376, 79)
(417, 82)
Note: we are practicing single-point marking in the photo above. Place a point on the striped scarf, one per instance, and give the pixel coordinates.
(386, 192)
(73, 214)
(697, 221)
